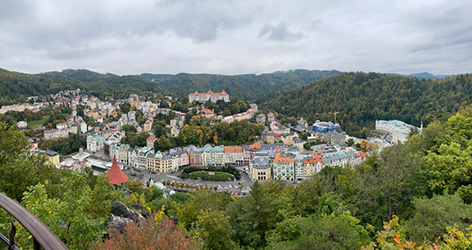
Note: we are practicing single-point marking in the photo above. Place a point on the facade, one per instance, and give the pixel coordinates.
(52, 156)
(195, 156)
(397, 130)
(95, 143)
(208, 96)
(150, 142)
(325, 127)
(261, 118)
(233, 155)
(54, 134)
(259, 169)
(340, 158)
(312, 164)
(143, 154)
(283, 167)
(214, 156)
(162, 163)
(122, 153)
(147, 126)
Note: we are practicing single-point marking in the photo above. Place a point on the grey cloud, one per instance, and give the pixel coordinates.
(279, 32)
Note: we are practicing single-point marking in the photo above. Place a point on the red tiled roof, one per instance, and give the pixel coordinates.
(116, 175)
(255, 145)
(279, 159)
(234, 149)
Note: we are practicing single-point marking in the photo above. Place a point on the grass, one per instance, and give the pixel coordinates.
(217, 176)
(39, 122)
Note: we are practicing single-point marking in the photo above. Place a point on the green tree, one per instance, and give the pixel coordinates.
(433, 216)
(214, 229)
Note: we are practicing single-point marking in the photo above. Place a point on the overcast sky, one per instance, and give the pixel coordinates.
(236, 36)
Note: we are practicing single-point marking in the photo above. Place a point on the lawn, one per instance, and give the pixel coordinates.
(39, 122)
(216, 176)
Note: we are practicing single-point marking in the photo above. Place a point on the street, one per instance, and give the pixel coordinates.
(228, 186)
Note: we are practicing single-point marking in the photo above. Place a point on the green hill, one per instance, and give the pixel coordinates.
(361, 98)
(246, 87)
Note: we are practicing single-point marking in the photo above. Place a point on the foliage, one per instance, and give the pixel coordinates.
(214, 229)
(217, 176)
(65, 146)
(325, 232)
(236, 133)
(433, 216)
(361, 98)
(70, 212)
(231, 170)
(144, 236)
(247, 87)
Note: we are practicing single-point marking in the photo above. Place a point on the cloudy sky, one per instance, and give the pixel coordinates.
(236, 36)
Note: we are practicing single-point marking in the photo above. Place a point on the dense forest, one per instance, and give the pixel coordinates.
(15, 87)
(361, 98)
(246, 87)
(416, 195)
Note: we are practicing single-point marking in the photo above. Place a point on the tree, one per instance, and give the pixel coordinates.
(325, 232)
(163, 237)
(68, 216)
(214, 229)
(433, 216)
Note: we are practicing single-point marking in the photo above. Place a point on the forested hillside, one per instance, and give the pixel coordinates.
(15, 87)
(246, 87)
(361, 98)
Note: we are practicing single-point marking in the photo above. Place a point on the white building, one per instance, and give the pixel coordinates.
(397, 130)
(95, 143)
(208, 96)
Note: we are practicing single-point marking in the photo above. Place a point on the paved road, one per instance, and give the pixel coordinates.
(229, 186)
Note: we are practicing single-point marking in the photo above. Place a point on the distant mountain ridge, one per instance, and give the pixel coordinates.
(426, 75)
(248, 87)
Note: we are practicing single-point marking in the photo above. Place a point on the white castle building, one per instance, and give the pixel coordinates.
(208, 96)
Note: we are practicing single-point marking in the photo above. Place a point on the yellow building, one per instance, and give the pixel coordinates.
(147, 126)
(52, 156)
(259, 169)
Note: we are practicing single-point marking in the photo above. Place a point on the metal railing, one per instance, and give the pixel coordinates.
(43, 237)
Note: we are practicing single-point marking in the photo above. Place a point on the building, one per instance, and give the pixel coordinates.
(312, 164)
(115, 174)
(283, 167)
(147, 126)
(261, 118)
(325, 127)
(259, 169)
(214, 156)
(95, 143)
(142, 156)
(121, 152)
(182, 155)
(340, 158)
(195, 156)
(335, 138)
(208, 96)
(270, 117)
(150, 141)
(52, 156)
(233, 155)
(22, 125)
(54, 134)
(162, 163)
(398, 131)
